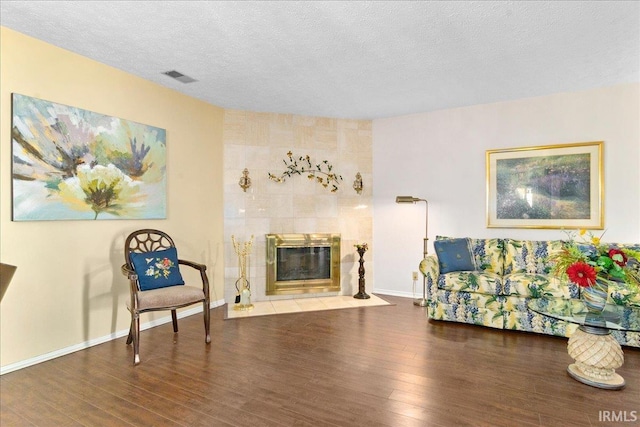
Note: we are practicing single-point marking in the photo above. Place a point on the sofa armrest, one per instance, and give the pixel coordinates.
(430, 269)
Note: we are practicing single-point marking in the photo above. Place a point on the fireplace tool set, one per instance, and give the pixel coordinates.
(243, 287)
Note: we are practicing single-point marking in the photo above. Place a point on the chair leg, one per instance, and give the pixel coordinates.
(174, 318)
(135, 326)
(207, 322)
(130, 337)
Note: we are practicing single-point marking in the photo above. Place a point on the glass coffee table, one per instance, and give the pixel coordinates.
(596, 353)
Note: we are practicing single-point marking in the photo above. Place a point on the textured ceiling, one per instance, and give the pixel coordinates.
(359, 60)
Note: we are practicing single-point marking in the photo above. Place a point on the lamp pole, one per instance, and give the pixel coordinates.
(423, 302)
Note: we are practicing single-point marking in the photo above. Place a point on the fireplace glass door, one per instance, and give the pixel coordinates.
(303, 263)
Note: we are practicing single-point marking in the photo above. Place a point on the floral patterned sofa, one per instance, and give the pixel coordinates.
(493, 287)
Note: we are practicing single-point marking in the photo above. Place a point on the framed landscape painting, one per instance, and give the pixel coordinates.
(551, 186)
(73, 164)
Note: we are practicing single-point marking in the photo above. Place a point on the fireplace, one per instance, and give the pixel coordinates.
(302, 263)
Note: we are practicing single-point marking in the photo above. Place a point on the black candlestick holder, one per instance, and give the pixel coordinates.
(361, 293)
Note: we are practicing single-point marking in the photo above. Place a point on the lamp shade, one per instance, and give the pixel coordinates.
(408, 199)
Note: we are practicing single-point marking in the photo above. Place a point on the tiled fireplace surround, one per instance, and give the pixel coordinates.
(260, 142)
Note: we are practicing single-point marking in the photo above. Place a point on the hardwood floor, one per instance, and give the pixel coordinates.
(373, 366)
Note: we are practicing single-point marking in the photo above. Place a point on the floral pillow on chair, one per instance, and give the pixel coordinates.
(158, 269)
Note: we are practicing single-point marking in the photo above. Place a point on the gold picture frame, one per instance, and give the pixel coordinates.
(548, 186)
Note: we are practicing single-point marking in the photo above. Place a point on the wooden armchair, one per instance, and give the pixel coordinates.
(155, 282)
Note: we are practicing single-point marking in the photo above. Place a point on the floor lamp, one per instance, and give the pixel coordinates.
(410, 199)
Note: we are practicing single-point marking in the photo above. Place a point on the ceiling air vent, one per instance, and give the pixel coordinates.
(179, 76)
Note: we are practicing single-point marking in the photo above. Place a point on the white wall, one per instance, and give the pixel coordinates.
(440, 156)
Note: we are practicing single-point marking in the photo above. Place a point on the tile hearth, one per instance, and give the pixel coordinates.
(264, 308)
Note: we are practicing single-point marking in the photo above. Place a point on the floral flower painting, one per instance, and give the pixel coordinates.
(74, 164)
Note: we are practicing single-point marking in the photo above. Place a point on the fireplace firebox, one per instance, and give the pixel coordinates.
(302, 263)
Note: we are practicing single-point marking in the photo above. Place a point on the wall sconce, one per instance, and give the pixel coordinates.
(410, 199)
(245, 181)
(357, 184)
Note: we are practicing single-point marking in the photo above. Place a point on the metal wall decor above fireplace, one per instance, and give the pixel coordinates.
(302, 263)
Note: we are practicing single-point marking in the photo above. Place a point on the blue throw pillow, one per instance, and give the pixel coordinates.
(157, 269)
(454, 255)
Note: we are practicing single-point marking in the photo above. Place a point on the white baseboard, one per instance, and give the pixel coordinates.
(119, 334)
(396, 293)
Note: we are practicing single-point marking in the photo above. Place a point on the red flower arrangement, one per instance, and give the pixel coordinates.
(585, 262)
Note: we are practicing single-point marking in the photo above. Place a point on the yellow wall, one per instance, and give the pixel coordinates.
(68, 289)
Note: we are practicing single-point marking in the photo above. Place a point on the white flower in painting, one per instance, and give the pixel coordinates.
(101, 189)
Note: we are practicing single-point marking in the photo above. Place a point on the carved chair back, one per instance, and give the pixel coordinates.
(146, 240)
